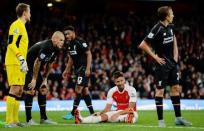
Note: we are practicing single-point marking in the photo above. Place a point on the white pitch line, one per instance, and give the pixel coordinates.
(128, 125)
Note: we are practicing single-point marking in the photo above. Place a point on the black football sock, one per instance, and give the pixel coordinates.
(42, 105)
(159, 106)
(88, 102)
(28, 106)
(176, 103)
(76, 103)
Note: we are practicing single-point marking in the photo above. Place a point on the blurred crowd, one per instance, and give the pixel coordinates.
(113, 40)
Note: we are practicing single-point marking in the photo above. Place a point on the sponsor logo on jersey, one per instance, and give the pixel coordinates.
(168, 40)
(73, 52)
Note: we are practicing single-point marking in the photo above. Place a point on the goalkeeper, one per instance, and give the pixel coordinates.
(125, 98)
(40, 55)
(15, 61)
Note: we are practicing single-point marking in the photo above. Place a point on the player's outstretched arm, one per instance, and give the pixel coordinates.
(175, 49)
(89, 60)
(67, 70)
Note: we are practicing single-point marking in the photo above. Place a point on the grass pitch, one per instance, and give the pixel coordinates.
(147, 122)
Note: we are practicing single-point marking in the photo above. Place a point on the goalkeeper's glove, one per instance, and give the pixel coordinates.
(23, 64)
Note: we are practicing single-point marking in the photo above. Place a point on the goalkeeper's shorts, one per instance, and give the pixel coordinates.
(14, 75)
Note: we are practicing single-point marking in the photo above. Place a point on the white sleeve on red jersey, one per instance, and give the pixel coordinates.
(110, 95)
(132, 93)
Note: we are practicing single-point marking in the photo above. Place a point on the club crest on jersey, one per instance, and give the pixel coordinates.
(164, 34)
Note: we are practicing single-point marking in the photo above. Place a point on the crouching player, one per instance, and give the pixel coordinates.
(125, 98)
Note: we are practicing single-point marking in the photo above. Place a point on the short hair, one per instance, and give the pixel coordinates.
(117, 74)
(69, 28)
(163, 12)
(20, 8)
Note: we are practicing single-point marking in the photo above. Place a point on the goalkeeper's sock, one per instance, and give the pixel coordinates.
(176, 103)
(28, 106)
(91, 119)
(159, 106)
(16, 110)
(88, 102)
(76, 103)
(10, 103)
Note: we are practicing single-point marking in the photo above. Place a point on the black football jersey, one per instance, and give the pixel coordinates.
(77, 49)
(44, 51)
(161, 39)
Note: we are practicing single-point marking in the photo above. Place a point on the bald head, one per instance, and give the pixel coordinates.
(58, 34)
(58, 39)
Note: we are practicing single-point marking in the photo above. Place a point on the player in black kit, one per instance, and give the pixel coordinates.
(79, 55)
(41, 54)
(164, 44)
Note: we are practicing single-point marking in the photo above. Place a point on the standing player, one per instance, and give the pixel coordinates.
(125, 98)
(80, 56)
(15, 61)
(164, 43)
(40, 55)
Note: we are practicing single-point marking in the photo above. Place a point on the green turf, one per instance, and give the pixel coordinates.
(147, 122)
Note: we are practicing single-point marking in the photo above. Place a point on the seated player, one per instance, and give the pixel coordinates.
(125, 98)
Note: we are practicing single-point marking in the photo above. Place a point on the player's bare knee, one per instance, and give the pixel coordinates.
(175, 90)
(14, 90)
(112, 119)
(20, 91)
(159, 92)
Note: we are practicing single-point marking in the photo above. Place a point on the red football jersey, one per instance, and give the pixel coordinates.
(122, 99)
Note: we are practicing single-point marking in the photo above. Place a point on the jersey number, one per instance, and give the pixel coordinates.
(178, 76)
(79, 80)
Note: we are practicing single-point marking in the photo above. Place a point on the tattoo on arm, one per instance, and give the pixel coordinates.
(36, 68)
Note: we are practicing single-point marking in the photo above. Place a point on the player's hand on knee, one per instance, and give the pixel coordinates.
(23, 64)
(30, 92)
(130, 110)
(32, 84)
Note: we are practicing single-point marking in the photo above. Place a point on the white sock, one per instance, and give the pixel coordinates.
(91, 119)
